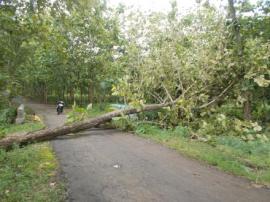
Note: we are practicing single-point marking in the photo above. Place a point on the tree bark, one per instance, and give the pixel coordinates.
(49, 134)
(71, 95)
(45, 94)
(236, 28)
(81, 96)
(247, 108)
(90, 92)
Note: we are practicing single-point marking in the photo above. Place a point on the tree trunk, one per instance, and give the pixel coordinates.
(45, 96)
(81, 96)
(48, 134)
(247, 109)
(71, 94)
(247, 106)
(90, 92)
(63, 94)
(236, 28)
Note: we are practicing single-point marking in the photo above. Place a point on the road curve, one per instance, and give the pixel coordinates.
(108, 165)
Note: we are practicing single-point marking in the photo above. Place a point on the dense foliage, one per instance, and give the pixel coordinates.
(29, 173)
(217, 66)
(57, 49)
(215, 63)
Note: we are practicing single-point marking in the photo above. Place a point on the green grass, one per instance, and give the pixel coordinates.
(29, 173)
(80, 113)
(251, 160)
(97, 110)
(230, 154)
(27, 127)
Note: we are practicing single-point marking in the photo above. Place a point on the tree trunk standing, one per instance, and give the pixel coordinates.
(63, 94)
(239, 48)
(59, 94)
(90, 92)
(45, 94)
(90, 97)
(39, 92)
(71, 94)
(247, 105)
(81, 96)
(236, 29)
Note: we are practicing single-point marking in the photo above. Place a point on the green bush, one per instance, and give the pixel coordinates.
(231, 110)
(80, 113)
(182, 131)
(261, 112)
(123, 123)
(7, 115)
(4, 103)
(151, 115)
(77, 114)
(215, 125)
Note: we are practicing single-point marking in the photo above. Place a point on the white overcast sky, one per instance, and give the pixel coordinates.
(153, 5)
(161, 5)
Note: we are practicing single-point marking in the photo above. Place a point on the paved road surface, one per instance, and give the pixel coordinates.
(108, 165)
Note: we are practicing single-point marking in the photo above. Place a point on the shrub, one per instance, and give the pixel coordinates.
(182, 131)
(4, 102)
(261, 112)
(77, 114)
(7, 115)
(123, 123)
(151, 115)
(231, 110)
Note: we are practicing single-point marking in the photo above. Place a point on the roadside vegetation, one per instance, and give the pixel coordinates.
(231, 154)
(29, 173)
(212, 63)
(227, 150)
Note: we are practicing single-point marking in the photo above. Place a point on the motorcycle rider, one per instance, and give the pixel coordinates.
(60, 107)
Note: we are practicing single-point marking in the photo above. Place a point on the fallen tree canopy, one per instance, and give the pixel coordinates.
(49, 134)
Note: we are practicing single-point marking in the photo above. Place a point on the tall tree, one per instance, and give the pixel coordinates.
(239, 46)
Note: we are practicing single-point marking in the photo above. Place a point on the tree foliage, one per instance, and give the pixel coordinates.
(205, 59)
(57, 49)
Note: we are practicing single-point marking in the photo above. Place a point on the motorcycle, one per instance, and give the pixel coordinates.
(60, 108)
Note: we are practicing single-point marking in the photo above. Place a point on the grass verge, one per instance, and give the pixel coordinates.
(29, 173)
(250, 160)
(231, 154)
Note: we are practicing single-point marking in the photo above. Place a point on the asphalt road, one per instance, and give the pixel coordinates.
(109, 165)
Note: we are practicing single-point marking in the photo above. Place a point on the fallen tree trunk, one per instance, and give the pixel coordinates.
(49, 134)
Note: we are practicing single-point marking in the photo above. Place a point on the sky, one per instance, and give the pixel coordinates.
(155, 5)
(162, 5)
